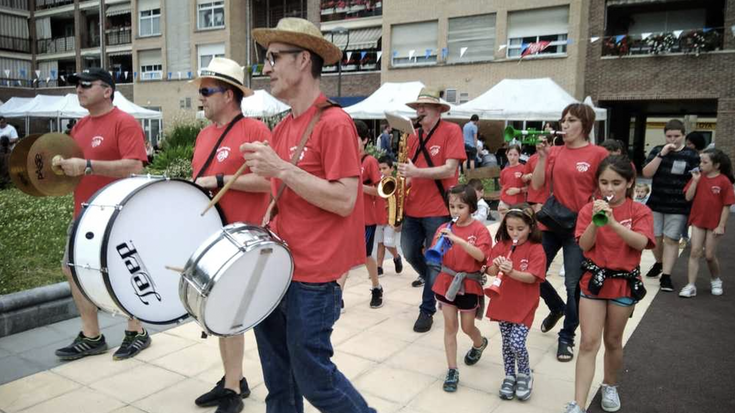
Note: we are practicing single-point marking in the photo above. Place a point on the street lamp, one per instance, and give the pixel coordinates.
(340, 30)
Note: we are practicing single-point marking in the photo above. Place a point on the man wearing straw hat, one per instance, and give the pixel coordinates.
(320, 216)
(434, 152)
(216, 159)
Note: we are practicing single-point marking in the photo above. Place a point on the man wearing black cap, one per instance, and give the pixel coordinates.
(113, 144)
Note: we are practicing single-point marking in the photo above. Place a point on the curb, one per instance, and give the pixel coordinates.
(37, 307)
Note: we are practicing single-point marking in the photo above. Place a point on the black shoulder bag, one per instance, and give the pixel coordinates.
(214, 148)
(554, 215)
(422, 149)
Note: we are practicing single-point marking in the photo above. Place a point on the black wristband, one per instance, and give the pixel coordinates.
(220, 180)
(658, 155)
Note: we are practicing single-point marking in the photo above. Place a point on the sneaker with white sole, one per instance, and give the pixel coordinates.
(524, 385)
(610, 399)
(688, 291)
(508, 388)
(573, 407)
(716, 286)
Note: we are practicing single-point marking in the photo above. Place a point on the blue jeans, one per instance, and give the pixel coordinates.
(552, 243)
(418, 233)
(294, 343)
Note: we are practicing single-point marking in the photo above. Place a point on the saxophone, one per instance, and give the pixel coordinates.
(393, 189)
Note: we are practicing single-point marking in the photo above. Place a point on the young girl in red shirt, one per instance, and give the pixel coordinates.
(518, 254)
(711, 189)
(611, 283)
(470, 242)
(511, 181)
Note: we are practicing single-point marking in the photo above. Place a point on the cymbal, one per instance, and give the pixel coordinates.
(18, 169)
(47, 180)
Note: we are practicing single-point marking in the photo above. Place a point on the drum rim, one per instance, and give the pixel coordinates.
(108, 229)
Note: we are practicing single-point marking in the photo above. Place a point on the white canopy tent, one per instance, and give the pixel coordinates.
(391, 97)
(262, 105)
(12, 104)
(522, 99)
(67, 106)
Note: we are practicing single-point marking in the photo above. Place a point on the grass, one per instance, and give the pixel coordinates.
(32, 239)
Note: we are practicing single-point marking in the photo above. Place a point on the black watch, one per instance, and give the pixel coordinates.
(88, 169)
(220, 180)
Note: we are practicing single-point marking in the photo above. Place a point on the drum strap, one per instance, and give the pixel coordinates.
(214, 148)
(272, 209)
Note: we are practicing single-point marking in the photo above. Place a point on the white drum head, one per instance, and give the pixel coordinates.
(229, 296)
(158, 226)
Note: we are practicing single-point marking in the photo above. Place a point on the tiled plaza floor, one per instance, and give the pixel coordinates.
(396, 369)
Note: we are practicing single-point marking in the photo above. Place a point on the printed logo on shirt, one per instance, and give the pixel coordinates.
(97, 141)
(434, 150)
(223, 153)
(292, 150)
(716, 190)
(583, 166)
(518, 174)
(524, 264)
(627, 223)
(471, 240)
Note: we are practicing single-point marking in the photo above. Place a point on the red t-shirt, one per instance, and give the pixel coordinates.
(511, 177)
(238, 206)
(111, 137)
(712, 194)
(424, 199)
(610, 251)
(517, 301)
(536, 196)
(324, 245)
(370, 173)
(459, 260)
(574, 173)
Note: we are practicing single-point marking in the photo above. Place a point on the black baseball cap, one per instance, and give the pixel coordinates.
(92, 74)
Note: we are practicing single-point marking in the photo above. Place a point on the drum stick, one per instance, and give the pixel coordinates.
(224, 189)
(177, 269)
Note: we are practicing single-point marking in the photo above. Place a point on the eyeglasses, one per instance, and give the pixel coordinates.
(84, 84)
(209, 91)
(272, 57)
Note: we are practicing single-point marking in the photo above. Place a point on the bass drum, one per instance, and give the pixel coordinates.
(126, 236)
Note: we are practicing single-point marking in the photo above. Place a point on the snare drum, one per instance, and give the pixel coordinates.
(236, 279)
(125, 237)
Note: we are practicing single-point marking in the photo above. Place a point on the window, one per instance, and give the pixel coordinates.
(532, 26)
(414, 43)
(150, 22)
(471, 38)
(150, 64)
(211, 15)
(208, 52)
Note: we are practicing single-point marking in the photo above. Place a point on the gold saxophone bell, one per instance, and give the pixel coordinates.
(393, 189)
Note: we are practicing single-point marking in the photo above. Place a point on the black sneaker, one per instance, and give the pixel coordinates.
(550, 321)
(473, 356)
(377, 300)
(418, 282)
(451, 381)
(398, 263)
(655, 270)
(423, 323)
(666, 284)
(133, 343)
(380, 271)
(83, 346)
(213, 397)
(230, 402)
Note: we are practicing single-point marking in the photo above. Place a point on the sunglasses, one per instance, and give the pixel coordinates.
(209, 91)
(272, 57)
(84, 84)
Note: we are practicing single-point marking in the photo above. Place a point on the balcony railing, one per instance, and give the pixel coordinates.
(119, 36)
(15, 4)
(349, 9)
(48, 4)
(60, 45)
(92, 41)
(15, 44)
(680, 41)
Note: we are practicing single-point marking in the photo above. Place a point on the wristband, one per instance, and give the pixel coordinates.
(659, 155)
(220, 180)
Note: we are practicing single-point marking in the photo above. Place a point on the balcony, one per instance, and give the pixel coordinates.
(15, 44)
(694, 42)
(122, 35)
(60, 45)
(49, 4)
(15, 4)
(332, 10)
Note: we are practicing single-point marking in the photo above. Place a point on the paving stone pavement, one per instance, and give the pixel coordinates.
(396, 369)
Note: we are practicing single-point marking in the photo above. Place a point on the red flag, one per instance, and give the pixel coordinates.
(536, 47)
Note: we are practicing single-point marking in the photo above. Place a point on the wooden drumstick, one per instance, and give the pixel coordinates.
(177, 269)
(224, 189)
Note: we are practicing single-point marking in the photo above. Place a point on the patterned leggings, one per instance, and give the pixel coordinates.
(514, 348)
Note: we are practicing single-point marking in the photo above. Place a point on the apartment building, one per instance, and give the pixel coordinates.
(657, 60)
(16, 55)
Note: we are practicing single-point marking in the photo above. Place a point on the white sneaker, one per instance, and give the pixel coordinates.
(690, 291)
(573, 407)
(610, 399)
(716, 286)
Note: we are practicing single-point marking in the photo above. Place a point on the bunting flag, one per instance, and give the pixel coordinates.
(23, 73)
(619, 38)
(678, 33)
(7, 73)
(135, 75)
(126, 74)
(502, 46)
(645, 36)
(20, 83)
(445, 53)
(53, 73)
(706, 29)
(255, 68)
(179, 73)
(188, 74)
(462, 51)
(34, 81)
(427, 54)
(38, 74)
(111, 75)
(380, 54)
(48, 80)
(395, 54)
(411, 54)
(62, 78)
(362, 56)
(594, 39)
(533, 48)
(170, 75)
(349, 56)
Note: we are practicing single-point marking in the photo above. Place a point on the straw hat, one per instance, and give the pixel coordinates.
(225, 70)
(302, 33)
(429, 97)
